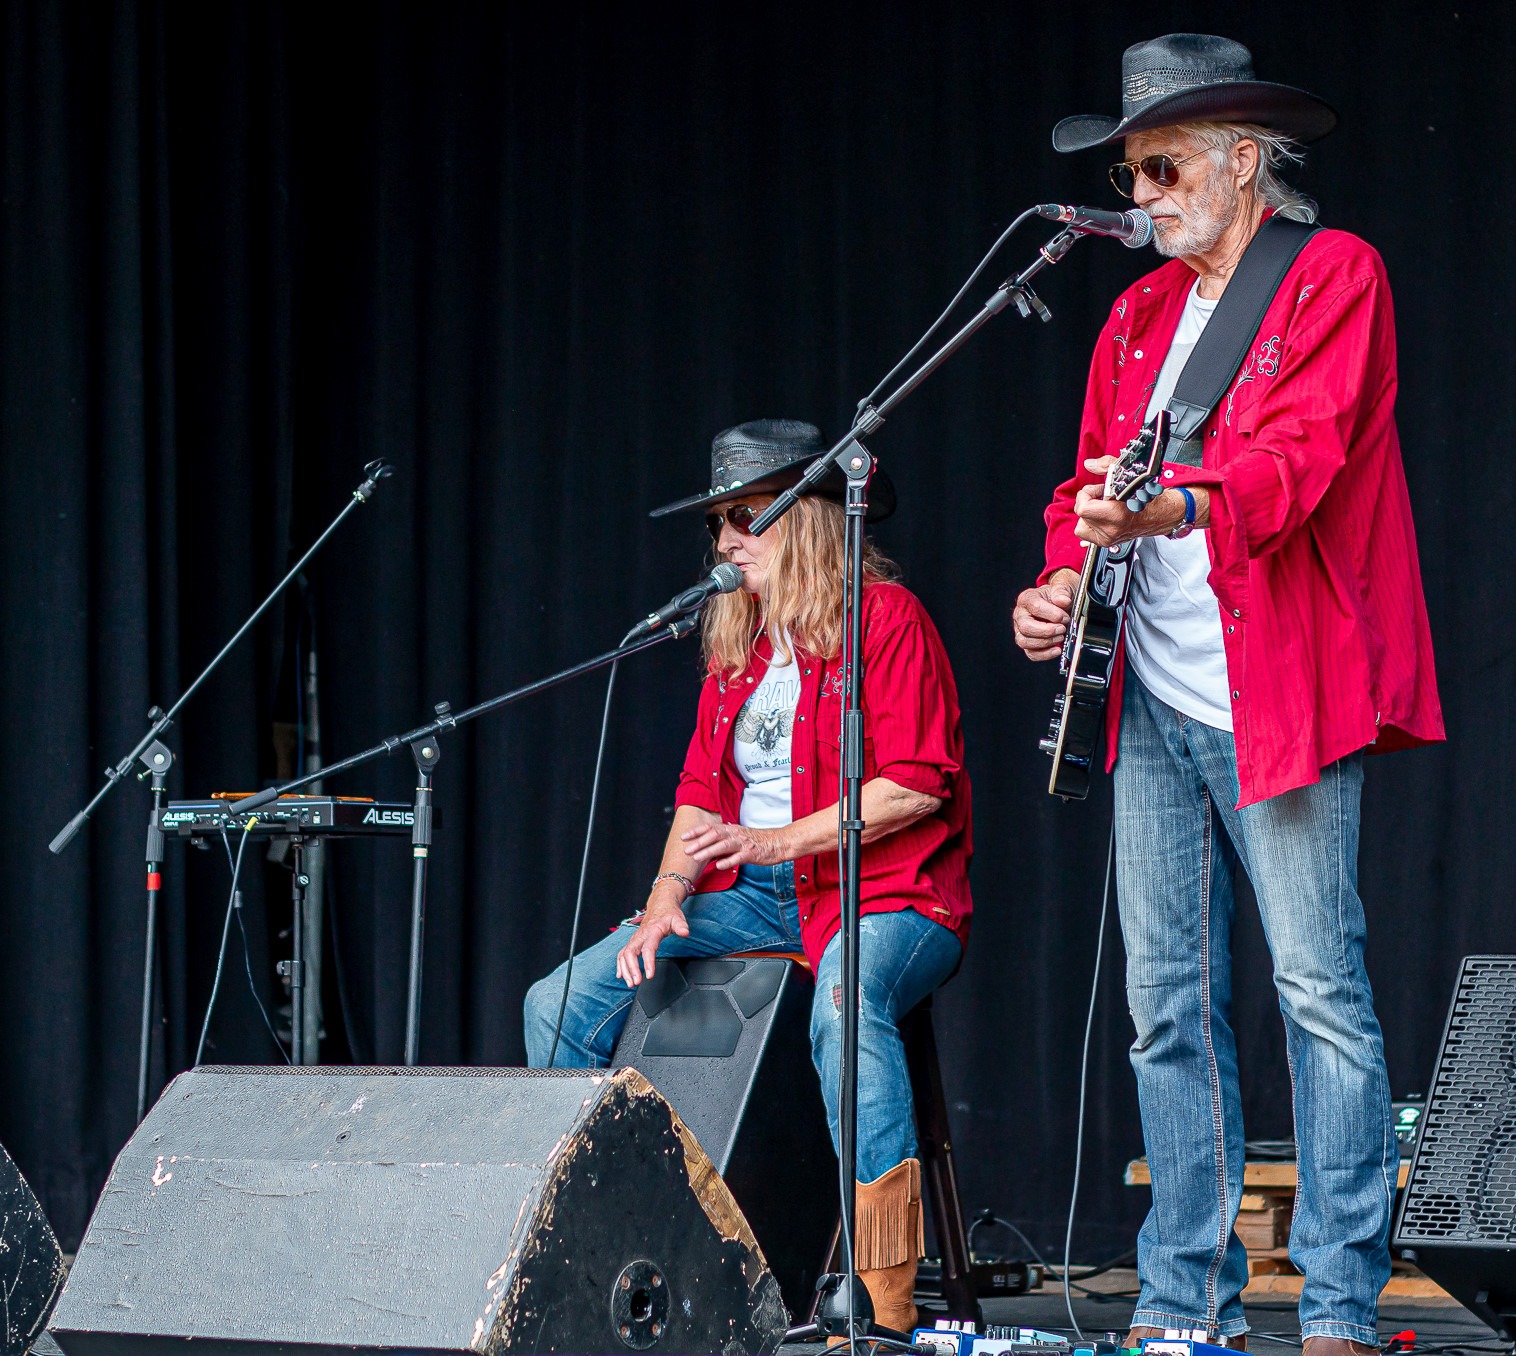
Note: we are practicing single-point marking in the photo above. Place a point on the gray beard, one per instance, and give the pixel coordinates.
(1199, 230)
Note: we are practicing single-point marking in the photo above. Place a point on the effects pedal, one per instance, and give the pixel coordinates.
(1175, 1342)
(961, 1339)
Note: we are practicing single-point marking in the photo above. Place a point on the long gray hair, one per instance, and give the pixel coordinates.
(1275, 152)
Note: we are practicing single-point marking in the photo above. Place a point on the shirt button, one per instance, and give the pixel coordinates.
(724, 719)
(1230, 629)
(807, 673)
(1137, 354)
(1147, 289)
(799, 717)
(750, 677)
(1121, 418)
(1236, 695)
(1237, 612)
(799, 769)
(1168, 475)
(802, 880)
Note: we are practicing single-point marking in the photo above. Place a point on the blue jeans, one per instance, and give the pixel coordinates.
(1177, 839)
(902, 958)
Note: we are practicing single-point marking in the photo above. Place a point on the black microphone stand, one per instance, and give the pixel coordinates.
(156, 759)
(845, 1308)
(425, 748)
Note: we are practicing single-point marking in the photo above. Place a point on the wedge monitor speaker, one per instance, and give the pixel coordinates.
(319, 1210)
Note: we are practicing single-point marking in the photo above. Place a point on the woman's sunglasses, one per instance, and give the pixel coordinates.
(1163, 170)
(740, 516)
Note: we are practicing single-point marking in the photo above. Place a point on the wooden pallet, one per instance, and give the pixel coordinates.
(1263, 1225)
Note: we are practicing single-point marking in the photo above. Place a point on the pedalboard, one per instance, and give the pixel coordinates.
(949, 1338)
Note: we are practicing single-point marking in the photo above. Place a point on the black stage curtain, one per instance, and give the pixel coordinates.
(538, 258)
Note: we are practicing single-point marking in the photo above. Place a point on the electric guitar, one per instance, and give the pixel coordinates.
(1074, 736)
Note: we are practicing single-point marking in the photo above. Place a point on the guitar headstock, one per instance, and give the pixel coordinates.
(1140, 460)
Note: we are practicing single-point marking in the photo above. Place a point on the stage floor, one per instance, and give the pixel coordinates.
(1439, 1324)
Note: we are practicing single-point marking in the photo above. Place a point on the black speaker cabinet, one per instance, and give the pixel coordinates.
(728, 1043)
(31, 1266)
(1458, 1216)
(319, 1210)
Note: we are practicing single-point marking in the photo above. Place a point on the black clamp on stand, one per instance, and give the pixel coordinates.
(845, 1309)
(157, 759)
(428, 753)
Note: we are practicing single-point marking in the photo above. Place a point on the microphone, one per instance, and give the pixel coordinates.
(725, 578)
(1134, 229)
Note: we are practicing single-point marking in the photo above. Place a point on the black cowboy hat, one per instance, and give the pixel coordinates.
(1194, 77)
(767, 455)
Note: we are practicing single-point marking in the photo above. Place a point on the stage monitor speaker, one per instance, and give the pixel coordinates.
(1458, 1215)
(727, 1041)
(31, 1264)
(313, 1210)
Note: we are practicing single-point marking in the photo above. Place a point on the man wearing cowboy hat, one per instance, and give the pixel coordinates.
(1276, 630)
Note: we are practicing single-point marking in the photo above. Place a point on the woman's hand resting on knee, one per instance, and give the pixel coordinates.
(664, 917)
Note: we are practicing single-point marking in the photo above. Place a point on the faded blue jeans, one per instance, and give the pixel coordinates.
(1177, 839)
(902, 958)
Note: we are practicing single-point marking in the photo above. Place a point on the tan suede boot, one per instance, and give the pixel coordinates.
(888, 1241)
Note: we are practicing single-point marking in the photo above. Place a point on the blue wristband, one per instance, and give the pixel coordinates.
(1188, 525)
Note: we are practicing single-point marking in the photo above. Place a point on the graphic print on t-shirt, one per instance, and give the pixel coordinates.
(762, 738)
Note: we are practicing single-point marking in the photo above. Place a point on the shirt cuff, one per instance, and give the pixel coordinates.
(1074, 561)
(926, 778)
(701, 797)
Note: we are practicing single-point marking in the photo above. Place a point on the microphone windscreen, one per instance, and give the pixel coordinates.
(1142, 231)
(727, 577)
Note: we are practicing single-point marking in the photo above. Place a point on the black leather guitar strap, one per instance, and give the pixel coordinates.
(1228, 335)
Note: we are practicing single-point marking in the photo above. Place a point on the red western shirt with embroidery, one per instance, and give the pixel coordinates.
(912, 736)
(1313, 551)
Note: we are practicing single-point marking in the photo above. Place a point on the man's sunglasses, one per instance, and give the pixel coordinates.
(740, 516)
(1163, 170)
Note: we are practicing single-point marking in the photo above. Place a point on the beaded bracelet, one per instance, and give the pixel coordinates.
(689, 885)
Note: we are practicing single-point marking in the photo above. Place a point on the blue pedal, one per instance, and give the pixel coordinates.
(1183, 1346)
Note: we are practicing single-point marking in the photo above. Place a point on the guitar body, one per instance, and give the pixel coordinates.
(1076, 731)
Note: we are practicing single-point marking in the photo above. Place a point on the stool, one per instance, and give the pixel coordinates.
(719, 1018)
(939, 1180)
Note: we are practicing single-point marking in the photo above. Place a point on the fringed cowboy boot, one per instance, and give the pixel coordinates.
(888, 1241)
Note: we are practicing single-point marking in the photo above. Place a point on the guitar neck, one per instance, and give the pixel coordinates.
(1082, 593)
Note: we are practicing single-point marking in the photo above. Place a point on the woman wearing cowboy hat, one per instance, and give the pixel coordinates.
(751, 859)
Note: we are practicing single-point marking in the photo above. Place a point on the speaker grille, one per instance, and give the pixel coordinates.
(1462, 1187)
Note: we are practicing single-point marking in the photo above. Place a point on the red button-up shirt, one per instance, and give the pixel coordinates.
(911, 735)
(1313, 551)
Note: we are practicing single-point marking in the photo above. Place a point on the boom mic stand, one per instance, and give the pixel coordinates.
(425, 747)
(845, 1308)
(156, 759)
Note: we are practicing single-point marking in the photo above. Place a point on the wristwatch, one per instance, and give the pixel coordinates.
(1188, 525)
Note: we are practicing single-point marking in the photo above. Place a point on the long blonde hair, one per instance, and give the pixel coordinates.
(804, 599)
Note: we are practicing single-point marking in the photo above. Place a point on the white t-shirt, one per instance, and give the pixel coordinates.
(1173, 622)
(765, 728)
